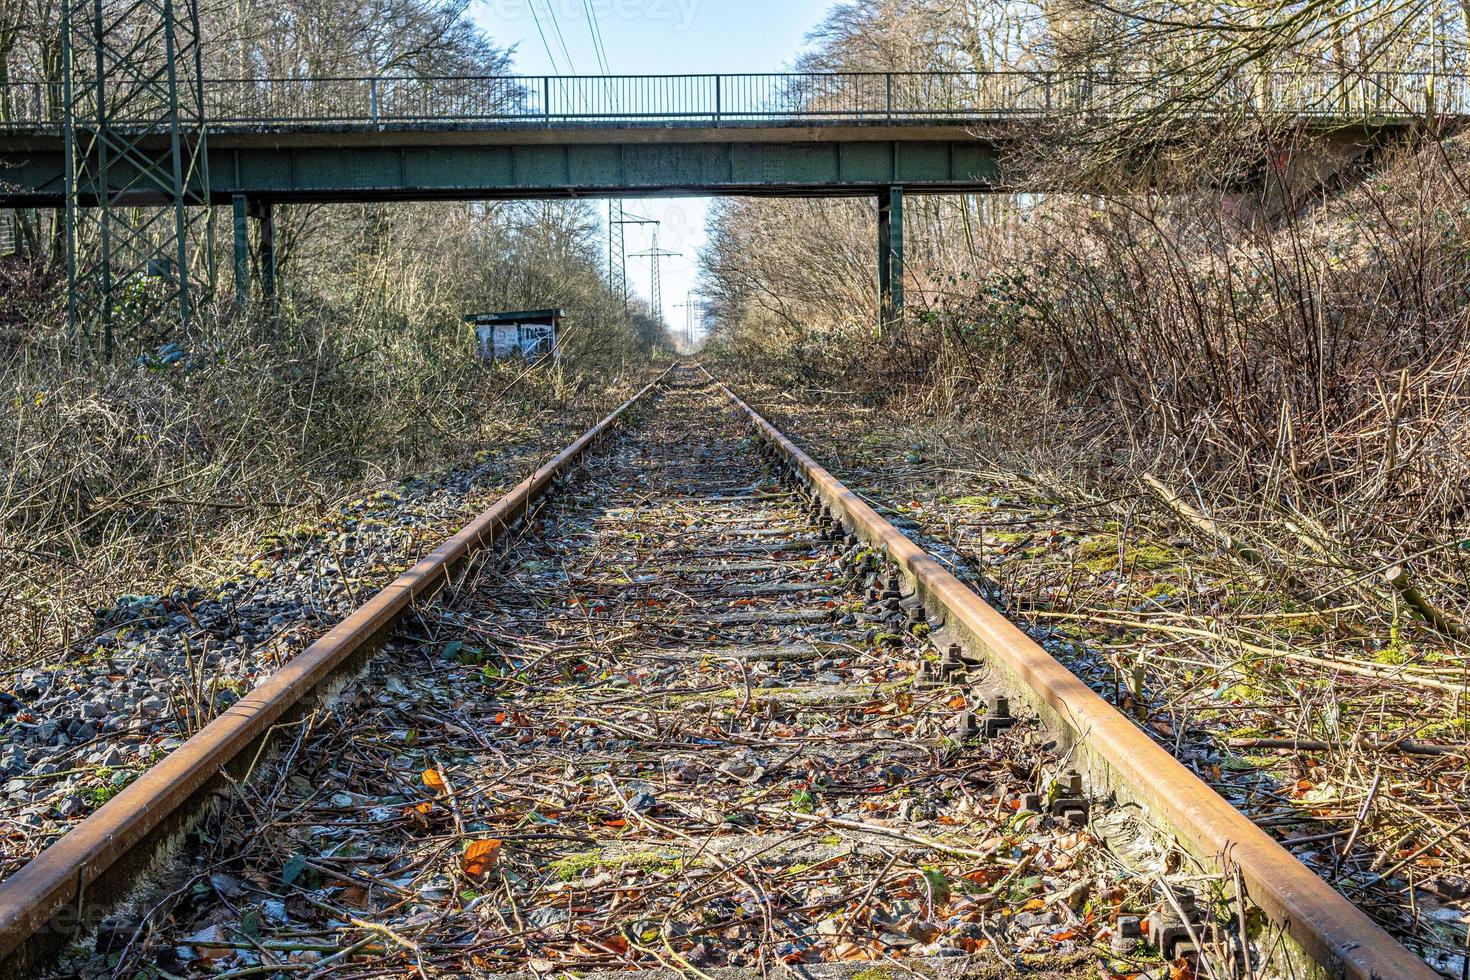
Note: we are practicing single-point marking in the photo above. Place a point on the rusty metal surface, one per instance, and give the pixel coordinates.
(1341, 939)
(51, 882)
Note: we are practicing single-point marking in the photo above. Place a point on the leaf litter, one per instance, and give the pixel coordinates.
(673, 728)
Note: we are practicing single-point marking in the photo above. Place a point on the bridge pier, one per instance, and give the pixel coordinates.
(242, 250)
(890, 255)
(264, 213)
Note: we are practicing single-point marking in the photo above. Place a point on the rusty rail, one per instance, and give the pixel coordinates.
(1338, 938)
(99, 849)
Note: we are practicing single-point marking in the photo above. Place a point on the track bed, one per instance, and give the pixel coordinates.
(661, 732)
(679, 701)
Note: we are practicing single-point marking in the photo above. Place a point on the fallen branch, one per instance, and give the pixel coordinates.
(1406, 746)
(1375, 671)
(1398, 576)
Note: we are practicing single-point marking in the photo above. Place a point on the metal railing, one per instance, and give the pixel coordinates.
(790, 98)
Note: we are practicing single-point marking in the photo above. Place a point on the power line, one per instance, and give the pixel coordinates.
(617, 256)
(560, 38)
(596, 32)
(544, 43)
(690, 309)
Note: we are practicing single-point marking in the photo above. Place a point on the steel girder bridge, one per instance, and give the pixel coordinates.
(254, 143)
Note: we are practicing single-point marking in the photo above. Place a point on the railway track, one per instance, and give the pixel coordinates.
(680, 702)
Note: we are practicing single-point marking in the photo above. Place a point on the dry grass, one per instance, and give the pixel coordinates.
(1342, 729)
(140, 477)
(1303, 382)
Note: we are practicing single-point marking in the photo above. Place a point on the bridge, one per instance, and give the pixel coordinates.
(401, 138)
(879, 134)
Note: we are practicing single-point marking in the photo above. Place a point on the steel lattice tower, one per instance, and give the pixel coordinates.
(617, 256)
(656, 255)
(137, 177)
(617, 251)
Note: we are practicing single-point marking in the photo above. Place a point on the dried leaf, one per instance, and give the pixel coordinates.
(209, 937)
(855, 951)
(481, 856)
(434, 781)
(419, 815)
(354, 895)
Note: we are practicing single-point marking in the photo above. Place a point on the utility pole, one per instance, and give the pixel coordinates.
(657, 255)
(617, 256)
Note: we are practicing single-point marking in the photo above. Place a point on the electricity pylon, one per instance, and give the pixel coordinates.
(656, 255)
(689, 307)
(617, 256)
(137, 174)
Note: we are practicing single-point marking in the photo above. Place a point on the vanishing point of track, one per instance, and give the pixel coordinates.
(680, 700)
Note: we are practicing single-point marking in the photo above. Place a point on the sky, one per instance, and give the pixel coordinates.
(654, 37)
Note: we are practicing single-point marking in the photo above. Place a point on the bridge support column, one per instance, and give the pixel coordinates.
(242, 250)
(266, 212)
(890, 255)
(265, 265)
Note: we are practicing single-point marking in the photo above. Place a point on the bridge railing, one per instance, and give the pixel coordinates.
(28, 104)
(791, 98)
(561, 100)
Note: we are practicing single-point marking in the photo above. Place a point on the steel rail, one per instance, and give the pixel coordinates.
(1340, 940)
(1337, 936)
(56, 880)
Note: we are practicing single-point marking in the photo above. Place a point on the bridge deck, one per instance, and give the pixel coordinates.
(374, 139)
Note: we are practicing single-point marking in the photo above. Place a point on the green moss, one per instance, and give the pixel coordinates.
(1395, 653)
(873, 973)
(1242, 692)
(1098, 553)
(650, 862)
(1450, 727)
(972, 502)
(113, 783)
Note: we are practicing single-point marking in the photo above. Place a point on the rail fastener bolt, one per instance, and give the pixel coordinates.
(1069, 804)
(998, 716)
(924, 676)
(914, 614)
(892, 588)
(967, 725)
(1127, 934)
(1170, 932)
(950, 663)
